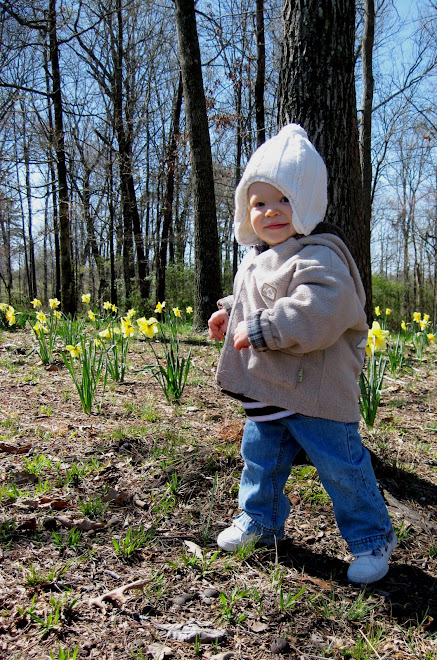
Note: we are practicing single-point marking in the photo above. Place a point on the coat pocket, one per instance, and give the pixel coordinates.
(276, 369)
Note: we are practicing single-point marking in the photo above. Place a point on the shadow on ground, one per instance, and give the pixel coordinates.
(403, 484)
(409, 591)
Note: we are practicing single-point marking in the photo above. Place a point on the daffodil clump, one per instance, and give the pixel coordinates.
(171, 370)
(46, 328)
(114, 339)
(422, 336)
(372, 376)
(383, 318)
(95, 345)
(385, 349)
(9, 314)
(86, 365)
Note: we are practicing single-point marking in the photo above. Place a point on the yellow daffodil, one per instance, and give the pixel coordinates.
(126, 328)
(105, 334)
(107, 305)
(4, 307)
(148, 327)
(416, 317)
(54, 303)
(130, 313)
(42, 318)
(377, 311)
(426, 317)
(430, 337)
(114, 308)
(128, 331)
(10, 315)
(91, 315)
(86, 297)
(159, 307)
(97, 342)
(388, 311)
(189, 310)
(376, 340)
(403, 325)
(423, 324)
(74, 351)
(176, 312)
(40, 329)
(36, 303)
(57, 314)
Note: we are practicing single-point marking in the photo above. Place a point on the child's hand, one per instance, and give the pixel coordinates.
(218, 324)
(241, 340)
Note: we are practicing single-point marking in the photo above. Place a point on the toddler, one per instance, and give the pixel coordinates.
(295, 332)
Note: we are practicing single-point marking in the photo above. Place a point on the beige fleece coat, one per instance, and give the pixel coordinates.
(312, 319)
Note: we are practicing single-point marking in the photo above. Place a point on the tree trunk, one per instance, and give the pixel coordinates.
(317, 90)
(260, 73)
(238, 155)
(91, 234)
(5, 225)
(366, 119)
(171, 161)
(111, 211)
(68, 294)
(367, 106)
(51, 166)
(46, 252)
(131, 217)
(207, 286)
(32, 269)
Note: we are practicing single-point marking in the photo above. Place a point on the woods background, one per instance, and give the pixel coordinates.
(126, 124)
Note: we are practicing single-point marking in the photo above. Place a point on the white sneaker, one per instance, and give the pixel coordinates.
(371, 566)
(233, 538)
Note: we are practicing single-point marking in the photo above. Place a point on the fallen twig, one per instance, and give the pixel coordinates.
(117, 595)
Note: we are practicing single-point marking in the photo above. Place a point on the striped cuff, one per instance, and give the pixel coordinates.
(254, 332)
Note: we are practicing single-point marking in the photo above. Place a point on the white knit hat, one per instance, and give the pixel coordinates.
(289, 162)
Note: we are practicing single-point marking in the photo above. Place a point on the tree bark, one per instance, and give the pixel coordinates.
(260, 73)
(32, 269)
(51, 167)
(5, 226)
(207, 286)
(68, 294)
(169, 194)
(366, 113)
(317, 90)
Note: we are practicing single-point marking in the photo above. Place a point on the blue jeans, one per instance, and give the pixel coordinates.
(344, 467)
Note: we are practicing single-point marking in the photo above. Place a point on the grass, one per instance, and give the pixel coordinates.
(144, 411)
(306, 481)
(128, 547)
(38, 464)
(10, 492)
(8, 530)
(93, 507)
(35, 576)
(179, 472)
(64, 654)
(334, 607)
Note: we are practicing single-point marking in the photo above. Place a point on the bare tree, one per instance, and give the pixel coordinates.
(207, 285)
(170, 167)
(317, 90)
(366, 111)
(6, 229)
(260, 73)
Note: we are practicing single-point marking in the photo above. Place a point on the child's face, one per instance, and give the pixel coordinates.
(270, 213)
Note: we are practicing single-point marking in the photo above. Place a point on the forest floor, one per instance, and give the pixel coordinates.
(137, 493)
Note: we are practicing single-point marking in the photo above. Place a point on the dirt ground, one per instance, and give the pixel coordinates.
(137, 492)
